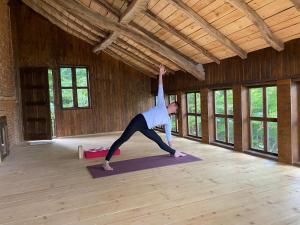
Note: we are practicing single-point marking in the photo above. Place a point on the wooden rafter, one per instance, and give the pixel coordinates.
(132, 10)
(108, 24)
(117, 15)
(182, 36)
(123, 50)
(160, 56)
(58, 14)
(145, 56)
(180, 5)
(267, 34)
(32, 4)
(107, 42)
(134, 65)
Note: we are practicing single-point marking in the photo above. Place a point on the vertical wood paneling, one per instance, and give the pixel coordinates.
(118, 91)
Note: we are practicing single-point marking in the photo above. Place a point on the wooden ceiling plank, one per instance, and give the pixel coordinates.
(57, 22)
(107, 42)
(265, 31)
(56, 13)
(180, 35)
(180, 5)
(151, 67)
(135, 66)
(145, 56)
(106, 23)
(134, 8)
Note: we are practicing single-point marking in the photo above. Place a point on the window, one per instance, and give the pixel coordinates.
(223, 110)
(263, 119)
(74, 83)
(174, 118)
(194, 114)
(52, 102)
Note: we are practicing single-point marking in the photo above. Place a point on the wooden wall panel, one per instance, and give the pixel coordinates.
(260, 66)
(118, 91)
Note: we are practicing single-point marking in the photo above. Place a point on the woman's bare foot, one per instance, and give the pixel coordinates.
(179, 154)
(106, 166)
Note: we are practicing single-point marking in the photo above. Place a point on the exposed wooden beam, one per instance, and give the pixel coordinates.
(297, 4)
(117, 15)
(156, 54)
(135, 66)
(144, 55)
(124, 51)
(155, 38)
(57, 22)
(107, 42)
(59, 14)
(267, 34)
(80, 21)
(110, 9)
(108, 24)
(134, 8)
(180, 5)
(182, 36)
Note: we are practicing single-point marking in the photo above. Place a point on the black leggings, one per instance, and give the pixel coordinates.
(138, 123)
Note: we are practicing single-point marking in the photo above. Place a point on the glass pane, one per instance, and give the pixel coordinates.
(191, 102)
(256, 99)
(230, 126)
(67, 98)
(220, 129)
(192, 125)
(174, 123)
(257, 135)
(81, 77)
(272, 137)
(219, 101)
(271, 102)
(229, 102)
(172, 98)
(199, 126)
(198, 102)
(66, 77)
(83, 97)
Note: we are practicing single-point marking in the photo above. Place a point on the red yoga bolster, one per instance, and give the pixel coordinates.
(95, 154)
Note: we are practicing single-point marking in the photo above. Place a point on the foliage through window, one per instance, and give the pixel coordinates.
(223, 110)
(194, 122)
(263, 119)
(74, 83)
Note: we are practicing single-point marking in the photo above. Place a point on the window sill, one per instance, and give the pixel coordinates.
(193, 138)
(261, 155)
(230, 147)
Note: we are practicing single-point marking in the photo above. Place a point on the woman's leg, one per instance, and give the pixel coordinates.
(133, 126)
(151, 134)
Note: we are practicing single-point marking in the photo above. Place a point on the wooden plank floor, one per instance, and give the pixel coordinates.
(47, 184)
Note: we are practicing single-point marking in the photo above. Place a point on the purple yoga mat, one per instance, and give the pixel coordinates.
(132, 165)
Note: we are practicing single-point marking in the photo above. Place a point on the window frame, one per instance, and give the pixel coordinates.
(74, 87)
(226, 116)
(176, 115)
(265, 119)
(193, 114)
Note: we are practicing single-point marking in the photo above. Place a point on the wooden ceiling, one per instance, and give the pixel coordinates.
(182, 34)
